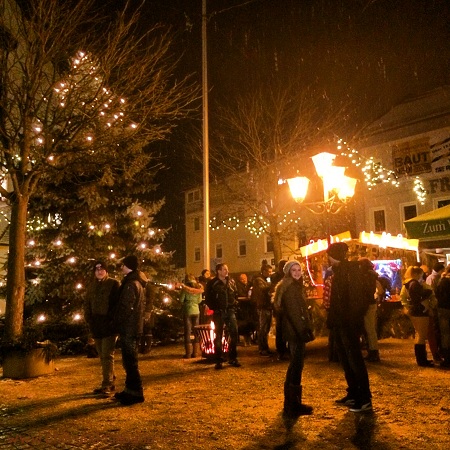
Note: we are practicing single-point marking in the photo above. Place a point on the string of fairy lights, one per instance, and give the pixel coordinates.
(419, 189)
(255, 224)
(374, 174)
(85, 83)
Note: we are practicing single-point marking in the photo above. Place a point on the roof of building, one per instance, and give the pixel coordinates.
(421, 114)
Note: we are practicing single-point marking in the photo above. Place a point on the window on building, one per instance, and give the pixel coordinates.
(197, 254)
(219, 252)
(242, 247)
(442, 202)
(379, 220)
(196, 223)
(408, 211)
(269, 244)
(193, 196)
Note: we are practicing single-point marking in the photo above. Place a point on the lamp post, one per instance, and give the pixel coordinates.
(338, 189)
(206, 245)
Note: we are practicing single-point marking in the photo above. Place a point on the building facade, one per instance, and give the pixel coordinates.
(231, 241)
(413, 142)
(410, 150)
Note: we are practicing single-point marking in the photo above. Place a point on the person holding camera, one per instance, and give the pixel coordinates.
(190, 298)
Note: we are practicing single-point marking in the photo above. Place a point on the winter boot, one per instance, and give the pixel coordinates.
(293, 401)
(196, 350)
(373, 356)
(188, 348)
(421, 356)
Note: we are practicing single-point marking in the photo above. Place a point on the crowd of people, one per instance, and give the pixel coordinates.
(426, 299)
(248, 309)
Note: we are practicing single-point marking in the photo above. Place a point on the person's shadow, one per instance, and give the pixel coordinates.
(360, 429)
(365, 424)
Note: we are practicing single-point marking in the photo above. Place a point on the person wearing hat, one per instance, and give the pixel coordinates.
(101, 298)
(350, 295)
(292, 310)
(129, 322)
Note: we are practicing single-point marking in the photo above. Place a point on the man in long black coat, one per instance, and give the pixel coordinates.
(350, 295)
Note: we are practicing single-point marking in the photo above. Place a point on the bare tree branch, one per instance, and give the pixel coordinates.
(268, 135)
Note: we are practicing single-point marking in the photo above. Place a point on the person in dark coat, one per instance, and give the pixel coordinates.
(221, 296)
(291, 307)
(370, 318)
(261, 295)
(350, 296)
(418, 307)
(99, 304)
(129, 322)
(246, 314)
(280, 343)
(443, 307)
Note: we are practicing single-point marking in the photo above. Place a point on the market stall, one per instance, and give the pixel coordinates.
(391, 256)
(432, 229)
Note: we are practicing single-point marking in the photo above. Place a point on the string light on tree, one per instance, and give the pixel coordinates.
(231, 223)
(257, 225)
(374, 172)
(420, 190)
(289, 218)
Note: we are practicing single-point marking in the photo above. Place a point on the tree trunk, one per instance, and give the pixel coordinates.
(277, 251)
(15, 285)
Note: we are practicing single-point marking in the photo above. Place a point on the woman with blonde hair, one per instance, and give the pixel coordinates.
(291, 307)
(190, 298)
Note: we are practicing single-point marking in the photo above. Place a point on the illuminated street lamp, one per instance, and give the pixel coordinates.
(338, 189)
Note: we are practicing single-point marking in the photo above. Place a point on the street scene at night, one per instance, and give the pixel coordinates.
(190, 405)
(224, 224)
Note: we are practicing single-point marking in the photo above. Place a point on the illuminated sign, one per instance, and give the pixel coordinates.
(387, 240)
(322, 244)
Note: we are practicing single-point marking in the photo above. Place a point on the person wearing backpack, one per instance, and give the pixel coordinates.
(350, 296)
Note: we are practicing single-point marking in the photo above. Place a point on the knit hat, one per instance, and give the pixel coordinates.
(338, 251)
(289, 264)
(99, 265)
(131, 262)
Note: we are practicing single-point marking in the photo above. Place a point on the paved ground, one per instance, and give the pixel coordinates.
(189, 405)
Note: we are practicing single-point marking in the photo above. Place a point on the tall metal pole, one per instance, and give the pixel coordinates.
(206, 250)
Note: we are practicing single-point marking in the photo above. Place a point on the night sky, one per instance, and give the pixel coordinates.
(366, 54)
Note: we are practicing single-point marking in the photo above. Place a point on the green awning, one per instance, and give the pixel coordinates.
(431, 225)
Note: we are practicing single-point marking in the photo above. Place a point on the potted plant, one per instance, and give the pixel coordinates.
(28, 356)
